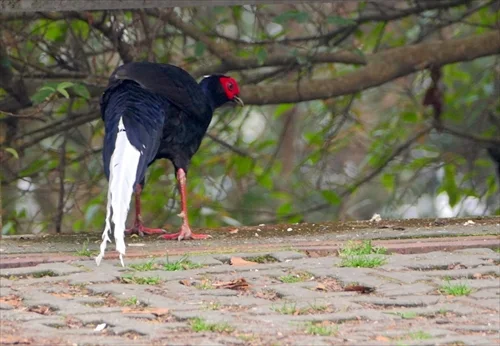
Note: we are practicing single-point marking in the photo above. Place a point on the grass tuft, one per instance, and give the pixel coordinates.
(182, 264)
(144, 267)
(290, 308)
(200, 325)
(85, 251)
(295, 277)
(362, 261)
(356, 248)
(148, 280)
(212, 306)
(132, 301)
(460, 289)
(321, 329)
(261, 259)
(404, 314)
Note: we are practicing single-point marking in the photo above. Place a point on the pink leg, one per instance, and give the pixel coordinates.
(138, 226)
(185, 232)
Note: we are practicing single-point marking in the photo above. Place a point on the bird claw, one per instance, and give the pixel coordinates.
(141, 230)
(185, 234)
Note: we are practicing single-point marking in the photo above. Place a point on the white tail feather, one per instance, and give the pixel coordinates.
(122, 174)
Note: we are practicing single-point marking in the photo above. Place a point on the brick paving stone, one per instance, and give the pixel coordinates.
(66, 301)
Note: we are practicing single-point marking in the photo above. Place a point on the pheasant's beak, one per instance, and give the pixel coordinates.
(238, 101)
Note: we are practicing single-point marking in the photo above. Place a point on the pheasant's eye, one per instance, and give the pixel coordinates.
(230, 86)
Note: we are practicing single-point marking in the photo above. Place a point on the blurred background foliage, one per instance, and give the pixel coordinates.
(413, 146)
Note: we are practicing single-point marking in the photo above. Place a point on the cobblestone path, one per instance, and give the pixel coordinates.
(282, 298)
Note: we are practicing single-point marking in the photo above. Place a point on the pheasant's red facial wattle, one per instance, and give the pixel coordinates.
(230, 87)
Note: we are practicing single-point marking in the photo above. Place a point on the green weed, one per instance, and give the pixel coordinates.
(200, 325)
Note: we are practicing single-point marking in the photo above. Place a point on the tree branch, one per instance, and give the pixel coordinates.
(381, 68)
(281, 59)
(471, 137)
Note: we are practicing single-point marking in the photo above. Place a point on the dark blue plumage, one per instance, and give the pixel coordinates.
(154, 111)
(143, 116)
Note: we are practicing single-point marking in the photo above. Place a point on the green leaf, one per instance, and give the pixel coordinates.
(64, 85)
(284, 209)
(300, 17)
(56, 31)
(283, 18)
(261, 55)
(388, 181)
(42, 94)
(81, 90)
(331, 197)
(450, 186)
(237, 12)
(78, 225)
(199, 48)
(34, 167)
(282, 109)
(336, 20)
(13, 152)
(243, 165)
(266, 181)
(63, 92)
(61, 88)
(410, 117)
(9, 228)
(82, 28)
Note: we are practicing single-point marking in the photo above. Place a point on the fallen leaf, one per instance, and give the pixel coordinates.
(41, 309)
(233, 231)
(382, 338)
(329, 285)
(185, 282)
(267, 294)
(320, 287)
(155, 311)
(11, 300)
(62, 295)
(313, 254)
(359, 288)
(134, 311)
(456, 266)
(159, 311)
(13, 340)
(72, 322)
(238, 284)
(238, 261)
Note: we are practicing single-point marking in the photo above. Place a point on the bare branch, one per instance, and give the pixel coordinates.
(350, 189)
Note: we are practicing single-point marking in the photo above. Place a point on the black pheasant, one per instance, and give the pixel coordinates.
(153, 111)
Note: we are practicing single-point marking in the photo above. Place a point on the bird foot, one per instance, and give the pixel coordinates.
(184, 234)
(141, 230)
